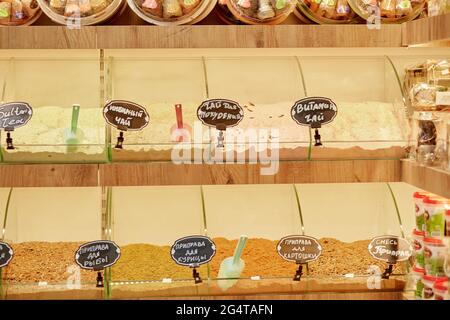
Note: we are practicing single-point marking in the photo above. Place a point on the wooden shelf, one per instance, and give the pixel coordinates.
(199, 36)
(427, 30)
(48, 175)
(430, 179)
(166, 173)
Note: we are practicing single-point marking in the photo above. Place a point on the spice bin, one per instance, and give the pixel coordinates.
(145, 222)
(45, 227)
(266, 112)
(54, 86)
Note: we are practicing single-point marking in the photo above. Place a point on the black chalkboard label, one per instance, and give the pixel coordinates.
(97, 255)
(6, 254)
(314, 111)
(390, 249)
(14, 115)
(126, 115)
(193, 251)
(220, 113)
(299, 249)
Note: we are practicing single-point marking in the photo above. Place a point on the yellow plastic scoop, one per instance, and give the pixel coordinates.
(232, 267)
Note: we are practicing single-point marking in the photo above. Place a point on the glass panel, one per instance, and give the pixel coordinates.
(266, 88)
(263, 213)
(52, 85)
(157, 84)
(146, 223)
(45, 227)
(345, 217)
(370, 122)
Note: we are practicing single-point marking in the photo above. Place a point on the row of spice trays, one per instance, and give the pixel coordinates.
(76, 13)
(46, 226)
(68, 97)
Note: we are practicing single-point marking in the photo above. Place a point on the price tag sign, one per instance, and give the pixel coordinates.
(14, 115)
(390, 249)
(299, 249)
(314, 111)
(126, 115)
(220, 113)
(193, 251)
(97, 255)
(6, 254)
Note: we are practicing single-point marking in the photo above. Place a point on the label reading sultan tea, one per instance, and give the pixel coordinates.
(126, 115)
(220, 113)
(14, 115)
(314, 111)
(193, 251)
(390, 249)
(97, 255)
(299, 249)
(6, 254)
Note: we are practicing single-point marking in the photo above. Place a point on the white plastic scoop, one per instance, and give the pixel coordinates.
(232, 267)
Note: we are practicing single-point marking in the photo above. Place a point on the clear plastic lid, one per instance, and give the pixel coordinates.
(19, 12)
(388, 11)
(225, 14)
(81, 12)
(261, 11)
(172, 12)
(328, 11)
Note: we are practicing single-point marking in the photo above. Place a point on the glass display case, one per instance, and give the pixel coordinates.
(45, 226)
(54, 83)
(267, 89)
(367, 90)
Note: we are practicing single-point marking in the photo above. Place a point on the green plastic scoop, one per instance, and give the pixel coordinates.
(232, 267)
(73, 135)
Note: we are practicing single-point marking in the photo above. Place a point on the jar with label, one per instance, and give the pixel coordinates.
(435, 209)
(423, 96)
(418, 248)
(416, 283)
(428, 286)
(419, 208)
(428, 136)
(440, 289)
(434, 254)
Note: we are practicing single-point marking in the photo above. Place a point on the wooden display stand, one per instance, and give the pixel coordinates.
(131, 32)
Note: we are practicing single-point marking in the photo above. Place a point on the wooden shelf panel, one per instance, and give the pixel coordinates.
(199, 36)
(426, 30)
(63, 175)
(135, 174)
(164, 173)
(430, 179)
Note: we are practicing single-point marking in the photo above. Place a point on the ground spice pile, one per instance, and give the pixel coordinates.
(47, 261)
(140, 262)
(44, 262)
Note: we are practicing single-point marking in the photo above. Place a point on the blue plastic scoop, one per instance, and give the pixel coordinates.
(232, 267)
